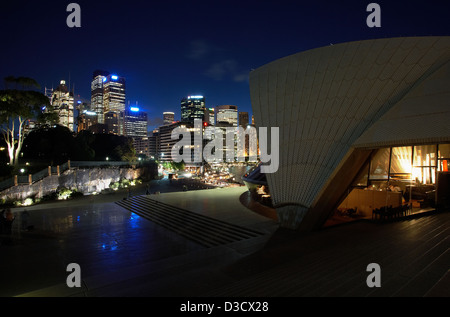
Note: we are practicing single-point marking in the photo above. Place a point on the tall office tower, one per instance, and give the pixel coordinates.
(62, 102)
(112, 121)
(141, 145)
(168, 117)
(135, 122)
(49, 93)
(227, 114)
(165, 139)
(192, 107)
(97, 94)
(114, 98)
(153, 144)
(209, 116)
(243, 119)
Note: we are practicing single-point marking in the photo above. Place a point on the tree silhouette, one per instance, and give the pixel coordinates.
(19, 101)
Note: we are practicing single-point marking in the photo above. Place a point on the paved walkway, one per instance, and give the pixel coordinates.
(124, 254)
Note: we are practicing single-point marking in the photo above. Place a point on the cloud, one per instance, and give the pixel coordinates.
(198, 49)
(241, 77)
(218, 70)
(226, 69)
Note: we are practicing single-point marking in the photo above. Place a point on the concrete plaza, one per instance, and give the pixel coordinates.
(122, 253)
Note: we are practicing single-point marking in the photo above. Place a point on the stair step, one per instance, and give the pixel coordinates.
(206, 231)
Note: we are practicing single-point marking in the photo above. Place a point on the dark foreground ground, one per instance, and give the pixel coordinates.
(124, 254)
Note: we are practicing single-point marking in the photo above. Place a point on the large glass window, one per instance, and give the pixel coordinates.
(398, 178)
(379, 166)
(424, 164)
(401, 163)
(444, 157)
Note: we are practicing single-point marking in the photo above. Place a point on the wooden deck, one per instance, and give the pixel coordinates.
(126, 255)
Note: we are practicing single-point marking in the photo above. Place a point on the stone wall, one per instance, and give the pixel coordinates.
(85, 180)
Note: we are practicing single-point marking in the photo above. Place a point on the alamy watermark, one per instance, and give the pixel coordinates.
(220, 148)
(372, 20)
(374, 278)
(74, 18)
(74, 278)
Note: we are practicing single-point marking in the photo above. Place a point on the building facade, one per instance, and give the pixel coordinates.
(227, 114)
(363, 127)
(97, 94)
(141, 145)
(113, 122)
(193, 107)
(114, 100)
(86, 119)
(210, 117)
(243, 119)
(135, 122)
(168, 117)
(62, 102)
(107, 99)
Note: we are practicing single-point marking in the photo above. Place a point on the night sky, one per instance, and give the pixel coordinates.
(170, 49)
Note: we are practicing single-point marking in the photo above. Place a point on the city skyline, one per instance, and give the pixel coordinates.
(222, 149)
(167, 51)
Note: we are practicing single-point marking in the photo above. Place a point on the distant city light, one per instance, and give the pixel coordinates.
(134, 109)
(195, 97)
(89, 113)
(114, 77)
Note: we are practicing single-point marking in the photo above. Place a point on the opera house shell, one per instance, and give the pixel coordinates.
(356, 117)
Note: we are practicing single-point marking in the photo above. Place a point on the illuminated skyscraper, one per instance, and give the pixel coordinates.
(166, 142)
(192, 107)
(113, 93)
(168, 117)
(108, 97)
(209, 117)
(227, 114)
(134, 122)
(62, 102)
(97, 94)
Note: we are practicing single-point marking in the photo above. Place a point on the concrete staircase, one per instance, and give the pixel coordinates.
(206, 231)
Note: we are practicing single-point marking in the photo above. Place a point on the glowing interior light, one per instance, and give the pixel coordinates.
(114, 77)
(195, 97)
(104, 79)
(134, 109)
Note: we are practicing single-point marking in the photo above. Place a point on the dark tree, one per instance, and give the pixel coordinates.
(19, 101)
